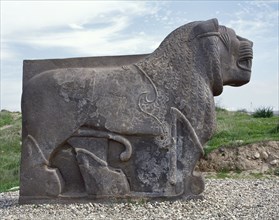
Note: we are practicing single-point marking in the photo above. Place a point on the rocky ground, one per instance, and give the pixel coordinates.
(223, 199)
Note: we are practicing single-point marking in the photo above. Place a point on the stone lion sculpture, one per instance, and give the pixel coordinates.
(129, 131)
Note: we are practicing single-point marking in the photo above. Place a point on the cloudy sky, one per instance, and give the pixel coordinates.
(63, 29)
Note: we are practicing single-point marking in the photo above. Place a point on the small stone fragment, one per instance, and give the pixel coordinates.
(274, 162)
(257, 155)
(264, 155)
(264, 167)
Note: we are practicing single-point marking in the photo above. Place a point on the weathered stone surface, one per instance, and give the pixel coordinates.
(127, 126)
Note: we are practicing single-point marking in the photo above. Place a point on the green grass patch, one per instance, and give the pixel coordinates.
(276, 172)
(263, 112)
(10, 141)
(239, 128)
(275, 130)
(257, 175)
(240, 175)
(223, 174)
(5, 118)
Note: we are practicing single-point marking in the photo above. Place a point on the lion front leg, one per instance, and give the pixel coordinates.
(186, 150)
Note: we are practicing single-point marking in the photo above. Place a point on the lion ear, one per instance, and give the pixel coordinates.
(205, 28)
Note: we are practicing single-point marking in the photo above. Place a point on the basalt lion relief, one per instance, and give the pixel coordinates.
(128, 126)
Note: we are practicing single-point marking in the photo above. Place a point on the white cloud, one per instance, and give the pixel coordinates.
(86, 28)
(10, 94)
(25, 16)
(255, 20)
(108, 40)
(7, 53)
(76, 26)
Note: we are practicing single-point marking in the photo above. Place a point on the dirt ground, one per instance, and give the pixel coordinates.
(260, 157)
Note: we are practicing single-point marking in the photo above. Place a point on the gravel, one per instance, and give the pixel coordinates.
(223, 199)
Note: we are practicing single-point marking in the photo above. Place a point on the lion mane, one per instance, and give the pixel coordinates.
(186, 72)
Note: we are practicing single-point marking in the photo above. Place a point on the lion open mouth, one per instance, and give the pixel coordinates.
(245, 56)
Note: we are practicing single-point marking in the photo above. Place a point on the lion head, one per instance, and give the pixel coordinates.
(228, 57)
(236, 57)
